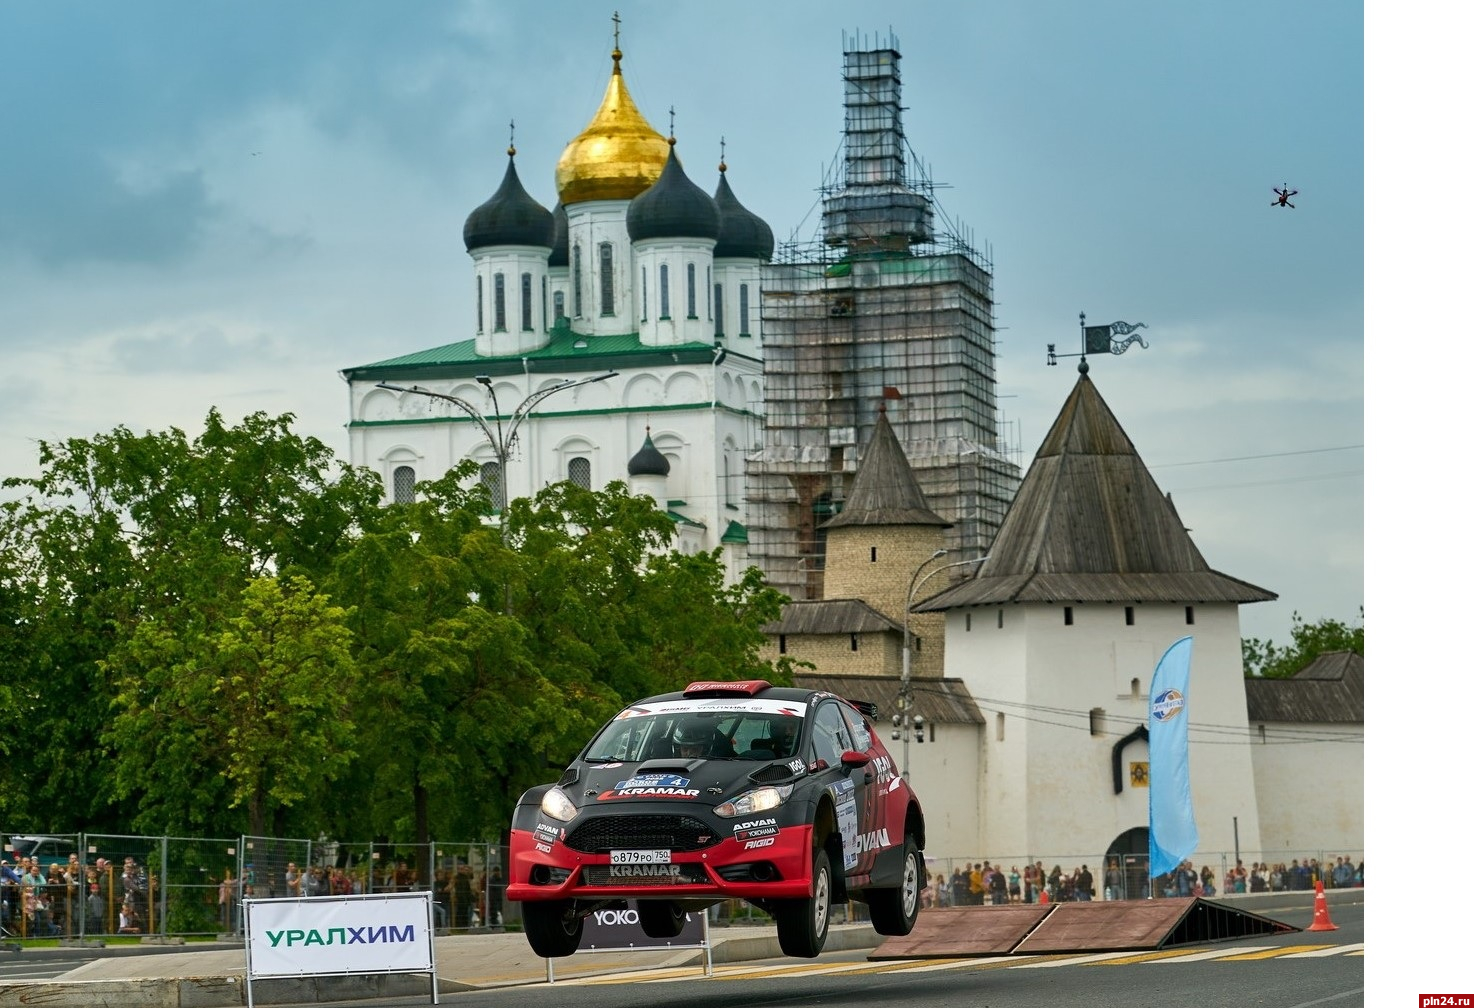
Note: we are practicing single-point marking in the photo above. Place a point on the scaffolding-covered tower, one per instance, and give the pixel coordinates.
(880, 310)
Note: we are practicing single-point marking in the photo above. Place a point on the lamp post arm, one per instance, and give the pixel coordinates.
(495, 438)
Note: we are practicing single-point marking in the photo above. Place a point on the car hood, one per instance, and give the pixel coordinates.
(679, 781)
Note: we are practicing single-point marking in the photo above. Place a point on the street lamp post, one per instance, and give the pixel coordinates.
(504, 438)
(904, 721)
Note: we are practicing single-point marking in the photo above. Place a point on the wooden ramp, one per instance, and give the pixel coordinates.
(1111, 926)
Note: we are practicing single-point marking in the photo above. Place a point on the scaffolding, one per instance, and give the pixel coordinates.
(880, 309)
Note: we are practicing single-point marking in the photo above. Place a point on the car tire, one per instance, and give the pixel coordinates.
(803, 924)
(552, 929)
(660, 918)
(893, 910)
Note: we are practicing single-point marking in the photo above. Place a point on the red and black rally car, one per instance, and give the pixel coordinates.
(782, 797)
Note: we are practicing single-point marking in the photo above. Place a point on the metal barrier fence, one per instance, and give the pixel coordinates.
(98, 885)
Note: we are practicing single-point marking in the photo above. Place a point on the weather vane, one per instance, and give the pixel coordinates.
(1102, 339)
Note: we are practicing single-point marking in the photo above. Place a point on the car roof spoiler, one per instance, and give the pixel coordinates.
(742, 687)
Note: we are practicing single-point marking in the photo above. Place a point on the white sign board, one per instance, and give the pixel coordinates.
(383, 933)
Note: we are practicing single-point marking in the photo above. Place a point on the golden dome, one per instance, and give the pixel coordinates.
(618, 155)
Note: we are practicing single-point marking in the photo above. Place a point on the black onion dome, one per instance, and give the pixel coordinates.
(559, 256)
(510, 217)
(674, 207)
(744, 235)
(648, 461)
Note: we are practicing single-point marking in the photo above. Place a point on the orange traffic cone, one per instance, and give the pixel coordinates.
(1322, 920)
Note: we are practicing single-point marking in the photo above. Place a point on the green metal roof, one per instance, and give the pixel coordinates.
(566, 352)
(736, 533)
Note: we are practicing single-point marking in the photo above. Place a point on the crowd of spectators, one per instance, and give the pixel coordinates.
(73, 898)
(983, 883)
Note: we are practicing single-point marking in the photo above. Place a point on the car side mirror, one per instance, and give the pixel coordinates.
(851, 758)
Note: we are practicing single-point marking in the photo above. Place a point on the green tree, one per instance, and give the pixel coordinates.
(126, 530)
(1308, 641)
(500, 645)
(254, 714)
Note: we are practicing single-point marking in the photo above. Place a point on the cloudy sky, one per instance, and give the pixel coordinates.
(226, 203)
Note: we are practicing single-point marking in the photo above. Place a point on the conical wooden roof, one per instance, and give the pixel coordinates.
(885, 490)
(1089, 524)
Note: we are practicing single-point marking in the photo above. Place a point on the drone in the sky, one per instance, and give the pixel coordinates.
(1283, 196)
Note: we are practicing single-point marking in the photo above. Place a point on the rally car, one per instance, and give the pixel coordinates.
(782, 797)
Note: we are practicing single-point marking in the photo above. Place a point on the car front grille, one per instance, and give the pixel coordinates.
(602, 834)
(645, 875)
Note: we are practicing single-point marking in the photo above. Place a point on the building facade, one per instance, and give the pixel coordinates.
(614, 337)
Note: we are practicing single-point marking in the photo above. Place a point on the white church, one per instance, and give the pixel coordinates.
(627, 317)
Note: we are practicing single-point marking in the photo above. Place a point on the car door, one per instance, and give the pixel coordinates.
(847, 785)
(877, 829)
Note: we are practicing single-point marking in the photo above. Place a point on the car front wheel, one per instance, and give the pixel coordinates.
(803, 924)
(893, 911)
(553, 929)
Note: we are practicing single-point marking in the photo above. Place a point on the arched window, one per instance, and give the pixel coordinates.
(499, 302)
(690, 290)
(491, 480)
(743, 329)
(544, 303)
(480, 303)
(526, 302)
(664, 291)
(644, 293)
(721, 329)
(558, 311)
(404, 484)
(606, 278)
(579, 472)
(578, 281)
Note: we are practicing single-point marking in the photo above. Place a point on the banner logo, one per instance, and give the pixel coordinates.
(1167, 705)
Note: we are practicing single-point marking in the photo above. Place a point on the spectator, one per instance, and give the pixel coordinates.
(1015, 885)
(1205, 879)
(1084, 884)
(293, 879)
(1112, 881)
(128, 921)
(1052, 882)
(959, 887)
(496, 887)
(976, 885)
(998, 886)
(96, 908)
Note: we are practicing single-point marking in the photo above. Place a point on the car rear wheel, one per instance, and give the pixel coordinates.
(660, 918)
(893, 910)
(553, 929)
(803, 924)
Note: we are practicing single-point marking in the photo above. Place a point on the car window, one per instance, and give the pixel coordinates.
(858, 729)
(831, 735)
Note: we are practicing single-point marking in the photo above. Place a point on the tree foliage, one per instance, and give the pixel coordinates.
(1308, 641)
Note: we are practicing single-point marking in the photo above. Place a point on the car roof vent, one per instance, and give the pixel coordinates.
(743, 687)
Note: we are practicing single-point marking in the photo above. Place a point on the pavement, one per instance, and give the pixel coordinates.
(212, 975)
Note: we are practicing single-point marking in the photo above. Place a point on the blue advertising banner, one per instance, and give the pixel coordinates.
(1173, 830)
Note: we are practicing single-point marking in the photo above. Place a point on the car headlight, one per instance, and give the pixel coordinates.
(556, 804)
(755, 801)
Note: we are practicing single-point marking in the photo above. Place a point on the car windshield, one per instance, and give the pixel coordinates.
(644, 734)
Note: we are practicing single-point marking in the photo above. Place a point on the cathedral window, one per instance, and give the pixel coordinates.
(664, 291)
(580, 472)
(743, 329)
(404, 485)
(544, 305)
(578, 281)
(480, 304)
(721, 329)
(527, 302)
(499, 302)
(606, 278)
(1187, 613)
(491, 480)
(691, 290)
(708, 293)
(1069, 615)
(644, 293)
(558, 309)
(1130, 616)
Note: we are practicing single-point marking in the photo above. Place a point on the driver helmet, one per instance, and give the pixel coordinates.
(694, 739)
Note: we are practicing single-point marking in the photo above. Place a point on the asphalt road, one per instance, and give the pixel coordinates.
(1296, 970)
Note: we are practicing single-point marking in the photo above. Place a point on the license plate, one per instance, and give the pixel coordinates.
(639, 857)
